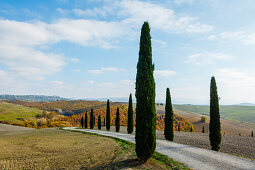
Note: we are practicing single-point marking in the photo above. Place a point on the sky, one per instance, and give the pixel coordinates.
(89, 48)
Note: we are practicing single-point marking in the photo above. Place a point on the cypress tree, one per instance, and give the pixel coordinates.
(252, 134)
(145, 98)
(203, 130)
(86, 121)
(130, 125)
(99, 122)
(169, 118)
(215, 127)
(108, 116)
(117, 120)
(191, 129)
(92, 119)
(82, 122)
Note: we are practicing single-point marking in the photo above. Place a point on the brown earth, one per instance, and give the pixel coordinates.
(228, 127)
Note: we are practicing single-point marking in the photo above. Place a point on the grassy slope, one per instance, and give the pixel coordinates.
(234, 113)
(58, 149)
(11, 112)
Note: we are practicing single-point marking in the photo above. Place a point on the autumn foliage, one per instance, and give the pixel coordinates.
(56, 119)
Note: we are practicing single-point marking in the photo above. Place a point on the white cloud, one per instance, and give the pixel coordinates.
(133, 13)
(103, 70)
(105, 11)
(160, 42)
(207, 58)
(57, 83)
(74, 60)
(235, 85)
(22, 43)
(179, 2)
(164, 73)
(244, 37)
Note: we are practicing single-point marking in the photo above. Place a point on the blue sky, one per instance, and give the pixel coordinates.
(89, 49)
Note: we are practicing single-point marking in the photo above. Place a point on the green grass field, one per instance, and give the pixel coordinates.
(11, 112)
(231, 112)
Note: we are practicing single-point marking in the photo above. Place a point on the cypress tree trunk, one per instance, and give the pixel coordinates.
(91, 119)
(130, 125)
(108, 116)
(99, 122)
(145, 97)
(82, 122)
(86, 120)
(169, 117)
(117, 120)
(215, 127)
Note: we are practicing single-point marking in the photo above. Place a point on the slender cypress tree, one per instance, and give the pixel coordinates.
(203, 130)
(252, 134)
(86, 120)
(117, 120)
(215, 127)
(108, 116)
(82, 122)
(145, 98)
(169, 117)
(191, 129)
(92, 119)
(130, 125)
(99, 122)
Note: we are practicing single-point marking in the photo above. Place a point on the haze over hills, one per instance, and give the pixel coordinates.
(34, 98)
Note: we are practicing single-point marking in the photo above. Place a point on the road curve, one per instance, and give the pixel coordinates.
(193, 157)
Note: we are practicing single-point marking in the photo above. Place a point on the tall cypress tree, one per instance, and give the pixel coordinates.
(91, 119)
(145, 98)
(117, 120)
(169, 117)
(252, 134)
(99, 122)
(86, 120)
(82, 122)
(108, 116)
(215, 127)
(130, 125)
(203, 130)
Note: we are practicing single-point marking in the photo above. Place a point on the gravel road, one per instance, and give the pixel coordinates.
(238, 145)
(196, 158)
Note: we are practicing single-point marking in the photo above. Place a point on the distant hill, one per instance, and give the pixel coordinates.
(33, 98)
(228, 112)
(245, 104)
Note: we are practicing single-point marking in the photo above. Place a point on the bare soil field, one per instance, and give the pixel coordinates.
(228, 127)
(26, 148)
(238, 145)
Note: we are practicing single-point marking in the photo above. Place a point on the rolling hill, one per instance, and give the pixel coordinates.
(228, 112)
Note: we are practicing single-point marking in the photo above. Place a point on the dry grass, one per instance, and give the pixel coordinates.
(58, 149)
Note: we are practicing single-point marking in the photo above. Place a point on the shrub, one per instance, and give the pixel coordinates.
(203, 119)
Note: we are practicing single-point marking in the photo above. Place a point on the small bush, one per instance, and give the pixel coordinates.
(203, 119)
